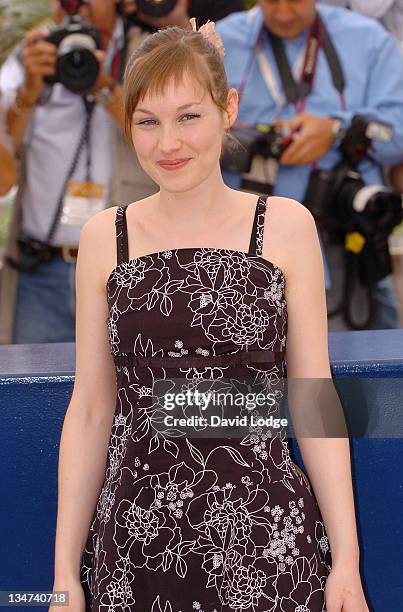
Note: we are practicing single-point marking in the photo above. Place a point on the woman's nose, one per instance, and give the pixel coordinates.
(169, 140)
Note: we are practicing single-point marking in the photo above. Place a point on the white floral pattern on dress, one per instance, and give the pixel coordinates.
(199, 524)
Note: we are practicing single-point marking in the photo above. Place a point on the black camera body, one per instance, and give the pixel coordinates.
(265, 140)
(77, 67)
(156, 8)
(342, 203)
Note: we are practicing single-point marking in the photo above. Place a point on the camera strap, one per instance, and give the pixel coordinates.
(42, 248)
(304, 69)
(84, 140)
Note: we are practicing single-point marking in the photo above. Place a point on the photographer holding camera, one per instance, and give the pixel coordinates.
(321, 91)
(64, 98)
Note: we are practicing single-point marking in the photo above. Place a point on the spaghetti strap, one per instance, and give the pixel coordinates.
(256, 238)
(122, 245)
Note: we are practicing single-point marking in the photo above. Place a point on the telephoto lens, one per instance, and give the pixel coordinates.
(77, 67)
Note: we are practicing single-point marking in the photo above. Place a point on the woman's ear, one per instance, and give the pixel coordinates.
(232, 108)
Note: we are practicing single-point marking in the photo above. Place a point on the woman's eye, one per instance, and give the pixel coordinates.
(190, 116)
(185, 118)
(147, 122)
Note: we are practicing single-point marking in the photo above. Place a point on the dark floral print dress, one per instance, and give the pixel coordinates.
(186, 523)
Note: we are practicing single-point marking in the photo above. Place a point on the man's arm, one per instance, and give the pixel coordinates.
(115, 106)
(108, 92)
(38, 60)
(7, 170)
(383, 101)
(384, 94)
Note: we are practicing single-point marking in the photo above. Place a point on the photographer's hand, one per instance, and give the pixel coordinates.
(313, 137)
(39, 58)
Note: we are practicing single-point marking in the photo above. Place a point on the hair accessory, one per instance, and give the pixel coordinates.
(208, 30)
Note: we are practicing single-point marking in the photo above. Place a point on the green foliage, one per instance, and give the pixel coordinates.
(16, 17)
(249, 3)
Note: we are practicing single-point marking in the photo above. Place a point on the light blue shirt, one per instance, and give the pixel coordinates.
(389, 12)
(373, 70)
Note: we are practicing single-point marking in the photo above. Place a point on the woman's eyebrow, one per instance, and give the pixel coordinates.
(183, 107)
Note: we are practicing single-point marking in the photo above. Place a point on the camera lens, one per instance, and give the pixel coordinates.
(156, 8)
(77, 66)
(78, 70)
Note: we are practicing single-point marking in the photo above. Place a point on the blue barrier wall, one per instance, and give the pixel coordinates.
(35, 388)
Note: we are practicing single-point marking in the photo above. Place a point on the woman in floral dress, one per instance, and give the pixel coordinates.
(197, 282)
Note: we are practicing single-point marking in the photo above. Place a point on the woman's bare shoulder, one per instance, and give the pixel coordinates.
(97, 243)
(98, 238)
(289, 230)
(290, 210)
(100, 228)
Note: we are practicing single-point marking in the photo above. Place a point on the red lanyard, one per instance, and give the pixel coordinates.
(116, 65)
(312, 48)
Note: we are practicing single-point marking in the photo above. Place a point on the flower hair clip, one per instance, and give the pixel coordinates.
(208, 30)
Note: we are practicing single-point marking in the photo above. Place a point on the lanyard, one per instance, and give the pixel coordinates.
(84, 138)
(297, 93)
(116, 65)
(303, 71)
(277, 94)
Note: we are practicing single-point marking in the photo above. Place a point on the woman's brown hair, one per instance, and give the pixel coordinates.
(172, 53)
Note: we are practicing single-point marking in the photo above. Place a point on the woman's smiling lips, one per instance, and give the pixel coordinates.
(174, 164)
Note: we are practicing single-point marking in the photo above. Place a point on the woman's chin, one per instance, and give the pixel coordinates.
(180, 181)
(176, 184)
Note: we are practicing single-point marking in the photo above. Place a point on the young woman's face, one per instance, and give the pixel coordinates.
(178, 135)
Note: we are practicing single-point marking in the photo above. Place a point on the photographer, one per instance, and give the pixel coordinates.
(7, 160)
(66, 140)
(285, 71)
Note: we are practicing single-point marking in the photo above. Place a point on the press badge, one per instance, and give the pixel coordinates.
(81, 202)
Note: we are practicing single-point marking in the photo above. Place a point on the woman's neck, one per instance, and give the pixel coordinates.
(196, 208)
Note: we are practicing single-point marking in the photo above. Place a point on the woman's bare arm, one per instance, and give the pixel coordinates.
(327, 459)
(88, 420)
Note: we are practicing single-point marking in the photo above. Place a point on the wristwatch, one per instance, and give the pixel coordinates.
(105, 95)
(338, 130)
